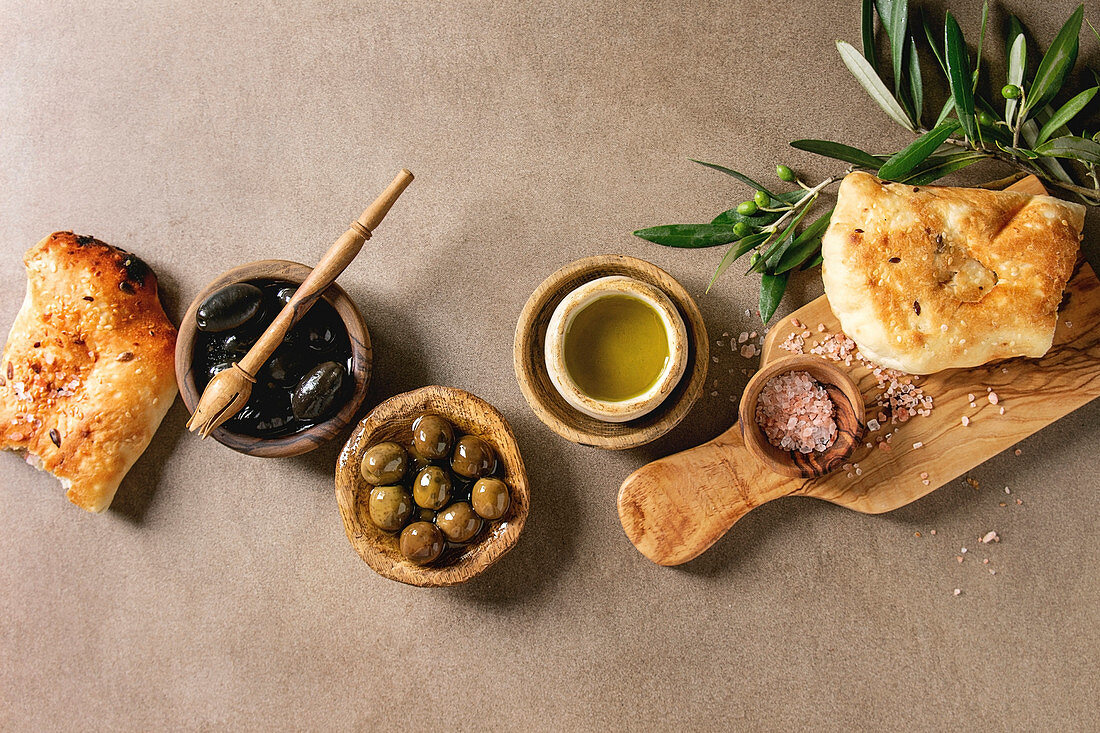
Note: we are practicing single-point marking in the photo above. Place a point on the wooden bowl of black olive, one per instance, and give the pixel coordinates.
(431, 487)
(310, 389)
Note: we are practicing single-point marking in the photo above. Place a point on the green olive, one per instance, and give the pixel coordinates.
(490, 498)
(742, 229)
(473, 457)
(417, 462)
(433, 437)
(1011, 91)
(432, 488)
(784, 173)
(746, 208)
(390, 507)
(384, 463)
(762, 199)
(421, 542)
(986, 119)
(458, 522)
(425, 515)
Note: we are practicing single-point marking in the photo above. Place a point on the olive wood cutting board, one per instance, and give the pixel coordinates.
(676, 507)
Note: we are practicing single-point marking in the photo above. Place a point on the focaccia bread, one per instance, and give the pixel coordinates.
(925, 278)
(87, 373)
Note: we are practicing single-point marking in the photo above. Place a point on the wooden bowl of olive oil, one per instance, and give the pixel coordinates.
(687, 360)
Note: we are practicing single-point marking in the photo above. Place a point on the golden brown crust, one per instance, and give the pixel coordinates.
(87, 373)
(929, 278)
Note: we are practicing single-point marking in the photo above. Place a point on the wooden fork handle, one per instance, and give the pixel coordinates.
(676, 507)
(335, 261)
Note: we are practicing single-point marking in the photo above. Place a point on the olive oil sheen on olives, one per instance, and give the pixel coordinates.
(615, 348)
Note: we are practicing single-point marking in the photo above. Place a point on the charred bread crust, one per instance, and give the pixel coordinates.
(87, 373)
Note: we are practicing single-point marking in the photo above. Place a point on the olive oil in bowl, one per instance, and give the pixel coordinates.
(616, 348)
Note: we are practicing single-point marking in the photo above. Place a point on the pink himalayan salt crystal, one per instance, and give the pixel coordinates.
(796, 413)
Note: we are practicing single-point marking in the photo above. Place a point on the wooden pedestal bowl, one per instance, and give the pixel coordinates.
(361, 355)
(848, 414)
(529, 358)
(392, 420)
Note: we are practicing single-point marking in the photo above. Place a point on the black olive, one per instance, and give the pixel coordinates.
(219, 367)
(316, 394)
(283, 295)
(238, 343)
(231, 307)
(284, 368)
(320, 337)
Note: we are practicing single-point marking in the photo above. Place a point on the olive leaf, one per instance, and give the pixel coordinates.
(731, 218)
(731, 255)
(1066, 113)
(805, 244)
(944, 166)
(959, 76)
(933, 43)
(905, 160)
(981, 45)
(867, 31)
(739, 176)
(1017, 63)
(782, 242)
(1070, 146)
(872, 84)
(916, 82)
(1019, 152)
(895, 19)
(1056, 63)
(839, 151)
(689, 236)
(772, 288)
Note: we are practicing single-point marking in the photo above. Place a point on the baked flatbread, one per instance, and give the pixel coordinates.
(929, 278)
(87, 373)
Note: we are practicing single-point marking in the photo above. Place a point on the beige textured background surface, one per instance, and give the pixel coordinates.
(220, 591)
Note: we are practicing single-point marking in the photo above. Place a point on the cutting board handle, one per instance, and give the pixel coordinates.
(676, 507)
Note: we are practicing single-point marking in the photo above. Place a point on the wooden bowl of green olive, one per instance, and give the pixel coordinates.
(431, 487)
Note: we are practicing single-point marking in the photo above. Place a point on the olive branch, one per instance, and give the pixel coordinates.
(1031, 134)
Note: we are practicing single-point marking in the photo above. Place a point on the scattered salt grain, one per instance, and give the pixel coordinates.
(873, 425)
(990, 536)
(1017, 452)
(743, 337)
(747, 351)
(1007, 491)
(917, 445)
(932, 532)
(965, 420)
(958, 591)
(970, 397)
(1002, 410)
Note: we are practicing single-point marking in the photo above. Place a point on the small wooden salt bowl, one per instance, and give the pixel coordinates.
(392, 420)
(361, 356)
(529, 358)
(849, 415)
